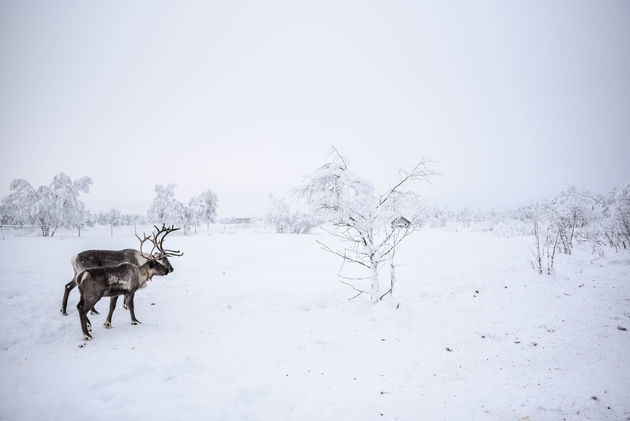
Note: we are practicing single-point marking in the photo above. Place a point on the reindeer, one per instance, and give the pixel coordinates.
(99, 258)
(124, 279)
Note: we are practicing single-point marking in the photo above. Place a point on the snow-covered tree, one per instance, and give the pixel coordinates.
(370, 225)
(50, 207)
(135, 220)
(617, 223)
(571, 211)
(91, 218)
(113, 218)
(210, 205)
(196, 212)
(17, 206)
(5, 215)
(285, 220)
(546, 234)
(165, 209)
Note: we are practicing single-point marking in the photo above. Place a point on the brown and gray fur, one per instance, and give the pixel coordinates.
(98, 258)
(124, 279)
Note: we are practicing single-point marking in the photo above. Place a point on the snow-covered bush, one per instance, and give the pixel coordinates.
(546, 236)
(284, 220)
(432, 217)
(615, 217)
(577, 217)
(621, 215)
(371, 225)
(571, 212)
(50, 207)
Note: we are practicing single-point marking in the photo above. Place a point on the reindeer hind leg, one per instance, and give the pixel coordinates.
(84, 321)
(112, 307)
(66, 293)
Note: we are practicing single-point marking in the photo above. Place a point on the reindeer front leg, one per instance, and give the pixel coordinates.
(112, 307)
(129, 300)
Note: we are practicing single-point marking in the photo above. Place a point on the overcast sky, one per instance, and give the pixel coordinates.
(514, 100)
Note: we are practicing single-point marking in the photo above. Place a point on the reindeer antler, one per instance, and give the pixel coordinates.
(164, 231)
(142, 241)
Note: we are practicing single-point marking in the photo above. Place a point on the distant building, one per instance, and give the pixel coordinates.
(231, 220)
(401, 222)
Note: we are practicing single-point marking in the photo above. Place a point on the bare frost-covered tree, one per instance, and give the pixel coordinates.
(166, 209)
(285, 220)
(621, 215)
(202, 209)
(210, 205)
(571, 211)
(371, 226)
(195, 212)
(50, 207)
(546, 236)
(575, 217)
(113, 218)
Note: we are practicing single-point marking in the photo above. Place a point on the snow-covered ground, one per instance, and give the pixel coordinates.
(254, 325)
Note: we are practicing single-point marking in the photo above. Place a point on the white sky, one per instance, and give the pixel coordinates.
(515, 100)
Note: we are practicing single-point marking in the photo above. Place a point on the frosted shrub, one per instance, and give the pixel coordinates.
(286, 221)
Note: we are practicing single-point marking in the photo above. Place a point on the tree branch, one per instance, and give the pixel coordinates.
(343, 256)
(343, 161)
(419, 172)
(360, 291)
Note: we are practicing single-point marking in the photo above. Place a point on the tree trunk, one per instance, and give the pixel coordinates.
(44, 228)
(392, 271)
(111, 230)
(376, 288)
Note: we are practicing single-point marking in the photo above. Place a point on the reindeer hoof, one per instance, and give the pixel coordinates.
(87, 337)
(63, 312)
(125, 307)
(93, 312)
(107, 325)
(136, 322)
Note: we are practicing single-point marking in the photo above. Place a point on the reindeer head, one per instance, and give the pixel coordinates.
(152, 265)
(157, 269)
(163, 254)
(158, 253)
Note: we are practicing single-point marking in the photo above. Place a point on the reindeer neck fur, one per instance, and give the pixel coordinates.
(146, 273)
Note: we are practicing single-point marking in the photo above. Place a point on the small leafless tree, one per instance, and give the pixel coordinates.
(547, 237)
(368, 224)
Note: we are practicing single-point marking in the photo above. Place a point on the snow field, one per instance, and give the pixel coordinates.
(254, 325)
